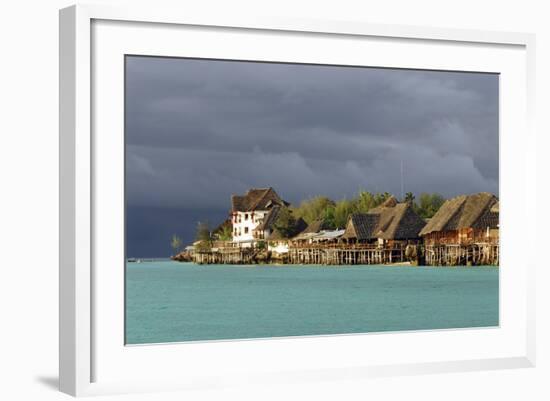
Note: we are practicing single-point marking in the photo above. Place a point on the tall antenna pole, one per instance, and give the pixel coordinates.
(402, 197)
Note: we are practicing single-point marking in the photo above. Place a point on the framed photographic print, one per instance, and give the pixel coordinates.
(272, 199)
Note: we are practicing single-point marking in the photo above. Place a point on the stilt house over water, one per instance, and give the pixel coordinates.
(386, 234)
(388, 225)
(253, 214)
(464, 220)
(465, 230)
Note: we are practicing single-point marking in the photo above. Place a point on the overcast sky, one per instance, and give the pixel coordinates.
(198, 131)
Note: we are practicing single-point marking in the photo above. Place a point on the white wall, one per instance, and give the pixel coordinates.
(250, 223)
(29, 184)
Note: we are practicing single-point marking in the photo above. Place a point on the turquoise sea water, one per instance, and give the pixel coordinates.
(171, 301)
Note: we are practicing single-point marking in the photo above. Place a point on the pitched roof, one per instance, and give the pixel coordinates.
(256, 199)
(270, 218)
(315, 227)
(390, 202)
(361, 226)
(402, 222)
(477, 211)
(391, 220)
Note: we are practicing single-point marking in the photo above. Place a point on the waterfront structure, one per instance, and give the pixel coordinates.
(388, 233)
(253, 214)
(388, 225)
(465, 230)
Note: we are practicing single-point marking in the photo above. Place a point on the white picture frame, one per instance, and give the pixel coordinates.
(87, 347)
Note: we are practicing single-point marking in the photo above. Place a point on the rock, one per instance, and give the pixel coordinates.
(182, 257)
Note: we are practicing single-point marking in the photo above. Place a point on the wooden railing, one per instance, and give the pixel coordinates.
(344, 246)
(298, 245)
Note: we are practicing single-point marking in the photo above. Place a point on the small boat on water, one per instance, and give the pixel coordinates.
(134, 260)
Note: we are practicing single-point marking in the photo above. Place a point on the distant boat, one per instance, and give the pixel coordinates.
(134, 260)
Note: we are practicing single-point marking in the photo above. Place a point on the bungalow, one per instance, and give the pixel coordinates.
(252, 215)
(465, 230)
(384, 226)
(464, 220)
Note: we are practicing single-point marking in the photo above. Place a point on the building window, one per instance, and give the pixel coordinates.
(246, 230)
(246, 216)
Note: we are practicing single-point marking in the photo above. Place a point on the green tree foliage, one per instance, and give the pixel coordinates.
(428, 204)
(336, 214)
(286, 223)
(365, 200)
(329, 217)
(343, 209)
(175, 243)
(316, 208)
(409, 197)
(204, 236)
(226, 233)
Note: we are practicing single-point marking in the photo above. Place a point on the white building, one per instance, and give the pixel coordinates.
(253, 213)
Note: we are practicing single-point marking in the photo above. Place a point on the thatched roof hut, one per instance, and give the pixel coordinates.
(476, 211)
(389, 221)
(361, 226)
(256, 199)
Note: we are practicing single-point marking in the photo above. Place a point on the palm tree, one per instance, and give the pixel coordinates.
(175, 243)
(409, 197)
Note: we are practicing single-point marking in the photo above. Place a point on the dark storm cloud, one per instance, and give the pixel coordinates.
(198, 131)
